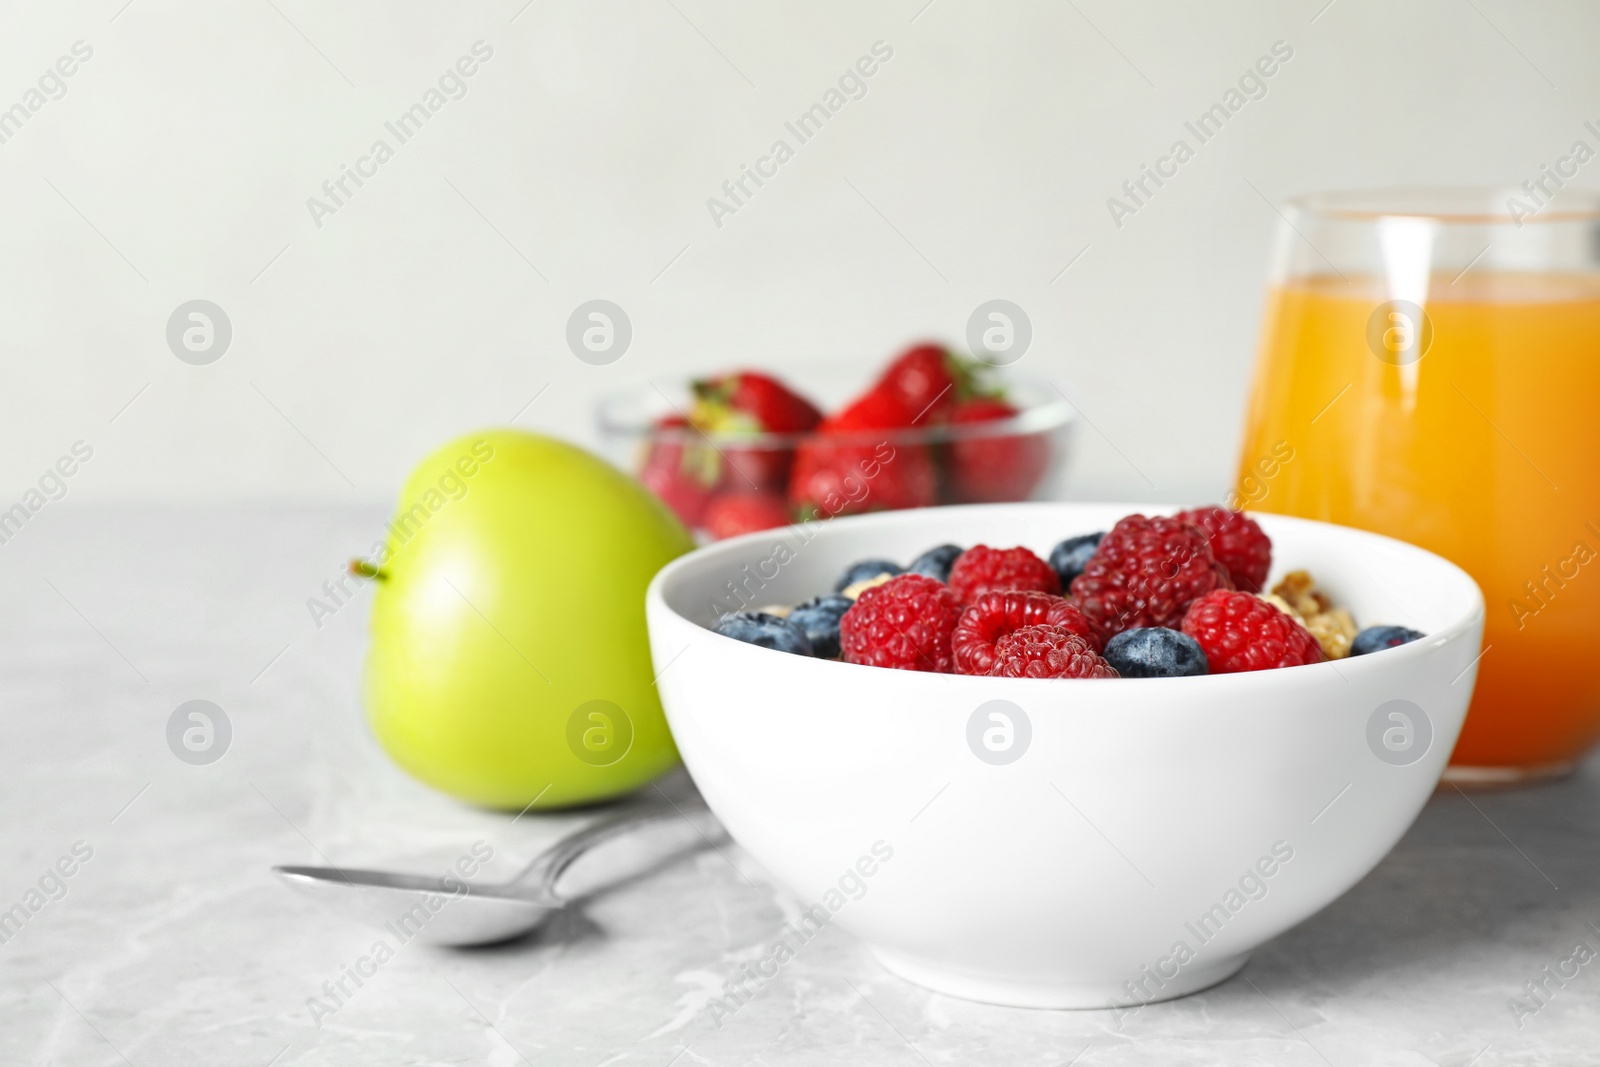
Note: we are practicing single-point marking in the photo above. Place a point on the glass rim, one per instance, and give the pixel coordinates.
(1043, 416)
(1453, 204)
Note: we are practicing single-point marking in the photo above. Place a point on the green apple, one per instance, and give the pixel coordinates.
(510, 663)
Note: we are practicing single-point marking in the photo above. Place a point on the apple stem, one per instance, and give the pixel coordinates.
(362, 569)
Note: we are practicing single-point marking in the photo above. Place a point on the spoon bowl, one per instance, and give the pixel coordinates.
(457, 913)
(416, 907)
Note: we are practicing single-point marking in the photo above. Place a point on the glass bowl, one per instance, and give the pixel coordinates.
(807, 476)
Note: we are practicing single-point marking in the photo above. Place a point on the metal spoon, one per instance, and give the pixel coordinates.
(417, 907)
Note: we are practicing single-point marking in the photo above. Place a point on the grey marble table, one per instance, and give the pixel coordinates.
(169, 942)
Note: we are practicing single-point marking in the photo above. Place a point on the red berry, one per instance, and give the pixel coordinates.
(981, 569)
(1146, 572)
(751, 402)
(906, 622)
(748, 403)
(758, 469)
(1047, 652)
(874, 410)
(1238, 543)
(832, 478)
(996, 468)
(680, 469)
(926, 380)
(853, 463)
(733, 513)
(993, 615)
(1241, 632)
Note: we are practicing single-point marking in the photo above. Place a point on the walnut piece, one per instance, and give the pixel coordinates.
(1333, 627)
(854, 591)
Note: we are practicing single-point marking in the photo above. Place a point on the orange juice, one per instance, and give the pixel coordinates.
(1486, 450)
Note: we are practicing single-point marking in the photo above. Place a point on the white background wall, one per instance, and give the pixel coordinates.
(179, 161)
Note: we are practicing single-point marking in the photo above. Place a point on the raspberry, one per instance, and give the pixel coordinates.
(1047, 652)
(905, 622)
(1237, 542)
(1241, 632)
(1146, 572)
(993, 615)
(981, 569)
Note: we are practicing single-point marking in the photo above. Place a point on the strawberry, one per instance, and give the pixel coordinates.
(876, 409)
(997, 467)
(748, 403)
(752, 402)
(680, 469)
(736, 512)
(853, 464)
(758, 469)
(926, 379)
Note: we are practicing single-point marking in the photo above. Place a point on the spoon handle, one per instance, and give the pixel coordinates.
(547, 867)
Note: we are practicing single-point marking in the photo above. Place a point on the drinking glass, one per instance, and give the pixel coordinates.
(1430, 369)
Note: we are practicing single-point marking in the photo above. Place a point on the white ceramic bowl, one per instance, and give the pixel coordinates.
(1151, 833)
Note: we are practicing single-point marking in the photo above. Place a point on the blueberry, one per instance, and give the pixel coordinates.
(768, 631)
(1155, 652)
(1378, 638)
(936, 562)
(819, 618)
(1070, 555)
(867, 568)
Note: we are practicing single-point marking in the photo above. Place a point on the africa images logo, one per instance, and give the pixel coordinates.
(52, 486)
(1252, 85)
(451, 85)
(852, 85)
(51, 85)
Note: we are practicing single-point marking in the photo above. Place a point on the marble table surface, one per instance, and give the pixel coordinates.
(170, 943)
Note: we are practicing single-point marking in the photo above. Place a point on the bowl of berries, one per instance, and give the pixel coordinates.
(1064, 755)
(743, 450)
